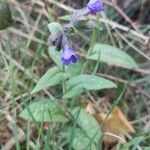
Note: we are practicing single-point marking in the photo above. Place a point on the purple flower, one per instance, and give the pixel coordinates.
(68, 55)
(95, 6)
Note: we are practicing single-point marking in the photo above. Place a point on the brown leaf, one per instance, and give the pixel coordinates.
(116, 124)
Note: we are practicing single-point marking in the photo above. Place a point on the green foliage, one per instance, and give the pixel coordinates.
(43, 110)
(52, 77)
(146, 148)
(74, 70)
(54, 27)
(55, 55)
(136, 141)
(5, 15)
(133, 144)
(78, 84)
(89, 134)
(22, 52)
(87, 123)
(113, 56)
(65, 18)
(81, 141)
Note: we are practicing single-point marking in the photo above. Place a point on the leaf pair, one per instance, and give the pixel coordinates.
(75, 85)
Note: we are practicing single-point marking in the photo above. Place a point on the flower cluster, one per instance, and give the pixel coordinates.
(60, 40)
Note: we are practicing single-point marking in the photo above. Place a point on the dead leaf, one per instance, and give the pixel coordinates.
(116, 124)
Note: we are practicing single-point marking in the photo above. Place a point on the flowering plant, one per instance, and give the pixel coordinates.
(60, 39)
(72, 111)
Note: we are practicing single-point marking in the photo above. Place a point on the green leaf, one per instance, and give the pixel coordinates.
(113, 56)
(78, 84)
(74, 69)
(89, 132)
(55, 55)
(81, 141)
(52, 77)
(54, 27)
(5, 15)
(43, 110)
(66, 17)
(146, 148)
(136, 141)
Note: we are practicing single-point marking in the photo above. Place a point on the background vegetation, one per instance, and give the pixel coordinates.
(106, 108)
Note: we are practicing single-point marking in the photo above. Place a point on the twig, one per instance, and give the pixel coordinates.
(126, 29)
(22, 34)
(138, 88)
(142, 9)
(121, 12)
(96, 106)
(131, 45)
(116, 79)
(116, 136)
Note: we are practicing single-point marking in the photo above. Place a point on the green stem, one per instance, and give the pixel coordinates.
(91, 47)
(64, 86)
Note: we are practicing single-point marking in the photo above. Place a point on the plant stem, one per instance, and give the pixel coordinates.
(94, 34)
(64, 86)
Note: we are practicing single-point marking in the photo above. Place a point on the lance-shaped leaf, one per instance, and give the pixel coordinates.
(55, 55)
(112, 56)
(78, 84)
(52, 77)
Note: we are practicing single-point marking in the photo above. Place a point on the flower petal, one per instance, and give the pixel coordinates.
(74, 59)
(65, 61)
(68, 55)
(95, 6)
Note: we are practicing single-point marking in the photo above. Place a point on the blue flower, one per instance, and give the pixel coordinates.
(95, 6)
(68, 55)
